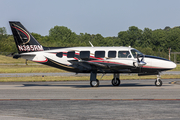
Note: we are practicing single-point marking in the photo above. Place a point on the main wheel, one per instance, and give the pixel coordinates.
(94, 83)
(158, 82)
(115, 82)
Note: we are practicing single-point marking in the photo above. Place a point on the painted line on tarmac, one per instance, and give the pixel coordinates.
(173, 82)
(90, 99)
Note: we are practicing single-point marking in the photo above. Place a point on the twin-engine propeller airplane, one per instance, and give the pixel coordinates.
(93, 60)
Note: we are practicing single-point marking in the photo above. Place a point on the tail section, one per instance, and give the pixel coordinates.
(25, 42)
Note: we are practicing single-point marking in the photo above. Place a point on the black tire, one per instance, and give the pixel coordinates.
(158, 83)
(94, 83)
(115, 82)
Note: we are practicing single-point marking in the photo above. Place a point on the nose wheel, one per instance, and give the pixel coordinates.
(158, 81)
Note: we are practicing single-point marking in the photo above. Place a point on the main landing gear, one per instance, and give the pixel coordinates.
(95, 82)
(115, 81)
(158, 81)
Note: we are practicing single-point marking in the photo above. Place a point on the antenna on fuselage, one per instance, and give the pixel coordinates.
(91, 44)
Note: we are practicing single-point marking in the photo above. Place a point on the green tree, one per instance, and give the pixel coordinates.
(146, 39)
(130, 37)
(124, 37)
(3, 31)
(135, 35)
(62, 36)
(83, 39)
(99, 40)
(158, 40)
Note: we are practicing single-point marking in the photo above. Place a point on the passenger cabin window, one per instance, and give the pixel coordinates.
(84, 54)
(100, 54)
(112, 54)
(124, 54)
(60, 54)
(71, 54)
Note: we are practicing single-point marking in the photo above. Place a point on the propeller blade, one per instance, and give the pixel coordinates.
(137, 58)
(142, 58)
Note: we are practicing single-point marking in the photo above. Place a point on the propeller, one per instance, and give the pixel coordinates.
(140, 62)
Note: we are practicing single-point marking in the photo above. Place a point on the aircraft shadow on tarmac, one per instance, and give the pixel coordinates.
(88, 86)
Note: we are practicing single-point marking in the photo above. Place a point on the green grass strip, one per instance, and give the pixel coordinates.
(28, 69)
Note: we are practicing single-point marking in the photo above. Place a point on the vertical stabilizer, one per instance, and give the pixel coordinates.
(25, 42)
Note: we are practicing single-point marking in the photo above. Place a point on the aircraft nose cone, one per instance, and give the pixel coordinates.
(168, 64)
(173, 65)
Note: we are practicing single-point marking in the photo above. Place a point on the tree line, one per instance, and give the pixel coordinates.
(151, 42)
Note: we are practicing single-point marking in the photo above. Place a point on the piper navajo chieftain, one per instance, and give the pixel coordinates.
(93, 60)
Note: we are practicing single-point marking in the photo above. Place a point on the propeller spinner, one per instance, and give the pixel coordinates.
(140, 62)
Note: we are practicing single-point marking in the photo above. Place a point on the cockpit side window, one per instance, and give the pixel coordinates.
(135, 53)
(124, 54)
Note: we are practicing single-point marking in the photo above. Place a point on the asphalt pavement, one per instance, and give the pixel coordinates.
(89, 110)
(76, 100)
(63, 74)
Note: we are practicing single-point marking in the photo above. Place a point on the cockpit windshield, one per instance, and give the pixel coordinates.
(135, 53)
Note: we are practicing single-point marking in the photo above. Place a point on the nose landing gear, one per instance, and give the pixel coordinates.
(158, 81)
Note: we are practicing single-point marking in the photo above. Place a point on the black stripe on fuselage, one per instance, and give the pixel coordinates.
(58, 65)
(155, 57)
(53, 48)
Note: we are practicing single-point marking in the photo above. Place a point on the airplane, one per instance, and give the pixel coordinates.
(93, 60)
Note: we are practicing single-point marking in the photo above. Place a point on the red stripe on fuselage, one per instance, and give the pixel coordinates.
(107, 62)
(76, 58)
(21, 31)
(152, 67)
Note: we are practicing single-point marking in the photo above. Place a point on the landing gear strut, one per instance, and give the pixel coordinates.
(115, 81)
(93, 81)
(158, 81)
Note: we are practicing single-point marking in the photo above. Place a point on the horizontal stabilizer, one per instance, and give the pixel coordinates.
(11, 54)
(20, 55)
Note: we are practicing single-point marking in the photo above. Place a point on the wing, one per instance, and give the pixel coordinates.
(102, 65)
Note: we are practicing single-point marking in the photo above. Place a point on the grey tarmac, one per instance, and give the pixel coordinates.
(129, 89)
(65, 74)
(76, 100)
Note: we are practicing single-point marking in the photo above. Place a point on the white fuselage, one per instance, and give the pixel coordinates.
(151, 61)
